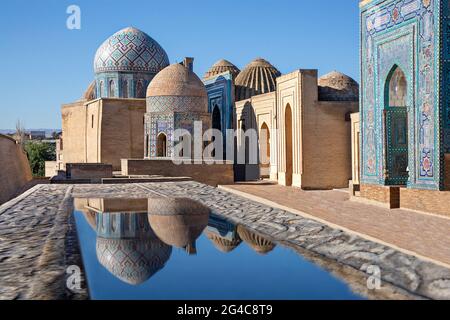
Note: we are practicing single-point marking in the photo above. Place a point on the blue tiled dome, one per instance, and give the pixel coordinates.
(133, 261)
(130, 50)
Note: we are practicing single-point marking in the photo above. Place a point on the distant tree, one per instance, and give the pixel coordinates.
(38, 153)
(56, 134)
(20, 132)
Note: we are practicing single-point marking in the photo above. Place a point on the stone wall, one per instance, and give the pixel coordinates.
(15, 170)
(52, 168)
(215, 174)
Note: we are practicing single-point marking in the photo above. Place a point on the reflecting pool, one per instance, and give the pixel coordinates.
(169, 249)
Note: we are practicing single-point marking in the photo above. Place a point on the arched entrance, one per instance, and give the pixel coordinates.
(264, 150)
(112, 89)
(288, 144)
(216, 119)
(216, 124)
(161, 145)
(396, 128)
(147, 146)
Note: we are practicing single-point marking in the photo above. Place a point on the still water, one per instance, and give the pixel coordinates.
(175, 249)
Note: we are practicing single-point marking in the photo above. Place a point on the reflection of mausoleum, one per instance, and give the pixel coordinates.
(178, 222)
(255, 241)
(404, 120)
(126, 245)
(223, 234)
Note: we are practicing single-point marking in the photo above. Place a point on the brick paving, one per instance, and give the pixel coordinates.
(426, 235)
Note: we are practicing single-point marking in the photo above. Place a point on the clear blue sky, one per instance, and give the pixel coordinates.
(43, 64)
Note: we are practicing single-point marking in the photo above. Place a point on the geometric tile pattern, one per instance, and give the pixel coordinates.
(403, 33)
(176, 104)
(128, 247)
(130, 50)
(133, 261)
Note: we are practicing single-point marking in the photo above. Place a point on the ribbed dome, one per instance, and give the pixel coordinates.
(258, 243)
(176, 80)
(89, 94)
(222, 244)
(222, 66)
(130, 50)
(336, 86)
(133, 261)
(257, 78)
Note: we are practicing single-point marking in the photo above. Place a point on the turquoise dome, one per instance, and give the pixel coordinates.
(135, 260)
(130, 50)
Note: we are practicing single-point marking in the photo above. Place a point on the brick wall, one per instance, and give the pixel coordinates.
(447, 172)
(432, 201)
(389, 196)
(92, 171)
(103, 131)
(214, 174)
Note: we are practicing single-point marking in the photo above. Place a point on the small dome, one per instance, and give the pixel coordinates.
(177, 89)
(177, 222)
(89, 94)
(257, 242)
(222, 66)
(133, 261)
(258, 77)
(130, 50)
(222, 244)
(336, 86)
(176, 80)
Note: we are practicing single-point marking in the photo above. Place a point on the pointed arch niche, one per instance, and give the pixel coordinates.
(396, 128)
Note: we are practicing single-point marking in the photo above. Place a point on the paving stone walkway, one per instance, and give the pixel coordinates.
(37, 242)
(422, 234)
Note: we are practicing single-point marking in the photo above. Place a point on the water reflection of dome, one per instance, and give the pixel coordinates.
(123, 225)
(255, 241)
(133, 261)
(128, 248)
(178, 221)
(223, 244)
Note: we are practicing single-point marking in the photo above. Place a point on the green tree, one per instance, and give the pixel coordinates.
(38, 153)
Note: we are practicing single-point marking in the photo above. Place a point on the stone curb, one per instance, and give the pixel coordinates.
(48, 283)
(11, 203)
(331, 225)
